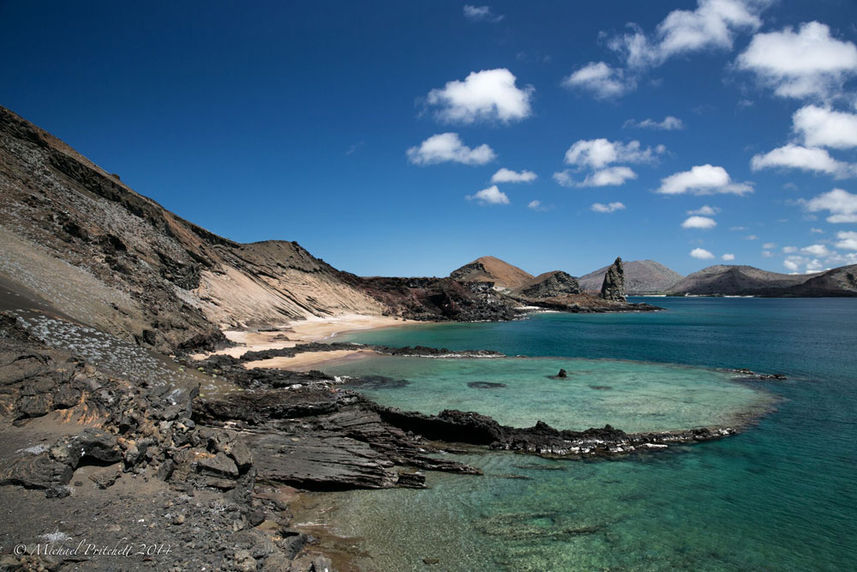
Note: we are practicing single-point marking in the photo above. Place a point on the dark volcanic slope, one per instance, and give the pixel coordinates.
(837, 282)
(641, 277)
(491, 269)
(737, 281)
(111, 258)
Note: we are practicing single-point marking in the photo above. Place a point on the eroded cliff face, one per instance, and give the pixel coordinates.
(108, 257)
(613, 287)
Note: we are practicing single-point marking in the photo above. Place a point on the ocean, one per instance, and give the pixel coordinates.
(781, 495)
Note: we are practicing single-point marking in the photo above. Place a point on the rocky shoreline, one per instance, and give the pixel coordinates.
(101, 427)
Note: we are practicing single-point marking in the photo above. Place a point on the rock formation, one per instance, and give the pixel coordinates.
(641, 277)
(549, 284)
(613, 287)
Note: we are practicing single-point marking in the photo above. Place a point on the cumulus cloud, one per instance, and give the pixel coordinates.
(793, 156)
(769, 245)
(600, 80)
(609, 177)
(702, 180)
(536, 206)
(448, 147)
(815, 250)
(505, 175)
(608, 208)
(823, 127)
(598, 153)
(805, 63)
(728, 257)
(702, 222)
(669, 123)
(481, 14)
(488, 95)
(789, 249)
(704, 210)
(841, 205)
(701, 254)
(490, 196)
(711, 26)
(847, 240)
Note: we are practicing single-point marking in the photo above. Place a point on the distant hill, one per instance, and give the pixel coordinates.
(641, 277)
(491, 269)
(749, 281)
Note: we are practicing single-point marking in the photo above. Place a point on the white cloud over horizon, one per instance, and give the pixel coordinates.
(728, 257)
(800, 64)
(699, 222)
(702, 180)
(841, 205)
(598, 153)
(704, 210)
(711, 26)
(601, 80)
(487, 95)
(607, 208)
(481, 14)
(701, 254)
(490, 196)
(669, 123)
(448, 147)
(791, 156)
(504, 175)
(823, 127)
(847, 240)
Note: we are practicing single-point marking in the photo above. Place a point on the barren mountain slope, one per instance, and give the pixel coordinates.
(116, 260)
(737, 281)
(641, 277)
(491, 269)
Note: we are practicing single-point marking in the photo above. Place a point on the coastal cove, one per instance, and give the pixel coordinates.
(778, 495)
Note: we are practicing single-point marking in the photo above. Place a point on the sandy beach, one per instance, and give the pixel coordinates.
(297, 332)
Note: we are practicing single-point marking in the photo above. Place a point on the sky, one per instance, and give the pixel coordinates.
(409, 138)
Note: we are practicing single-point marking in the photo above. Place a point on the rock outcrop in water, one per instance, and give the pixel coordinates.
(549, 285)
(613, 287)
(642, 277)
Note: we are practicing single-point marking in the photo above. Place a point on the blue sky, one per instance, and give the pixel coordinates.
(681, 131)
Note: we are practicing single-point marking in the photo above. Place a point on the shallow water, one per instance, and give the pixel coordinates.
(633, 396)
(780, 496)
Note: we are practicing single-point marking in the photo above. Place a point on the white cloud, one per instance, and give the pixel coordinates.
(767, 254)
(713, 25)
(751, 237)
(448, 147)
(702, 222)
(792, 263)
(481, 14)
(484, 95)
(728, 257)
(505, 175)
(790, 249)
(601, 80)
(816, 230)
(608, 208)
(536, 206)
(815, 250)
(598, 153)
(805, 158)
(704, 210)
(842, 206)
(609, 177)
(806, 63)
(769, 245)
(847, 240)
(701, 254)
(490, 196)
(823, 127)
(669, 123)
(702, 180)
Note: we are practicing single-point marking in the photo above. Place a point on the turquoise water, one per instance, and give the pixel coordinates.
(633, 396)
(780, 496)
